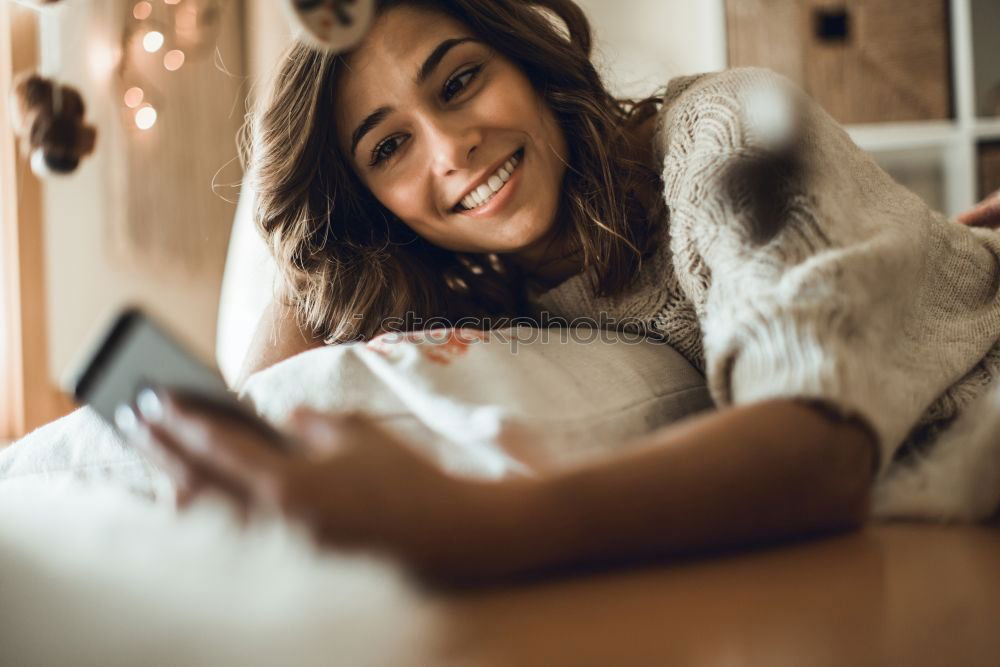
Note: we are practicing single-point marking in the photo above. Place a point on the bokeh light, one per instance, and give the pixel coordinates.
(173, 60)
(152, 41)
(142, 10)
(145, 117)
(133, 97)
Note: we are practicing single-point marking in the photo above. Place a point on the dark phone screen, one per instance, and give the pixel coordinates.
(137, 353)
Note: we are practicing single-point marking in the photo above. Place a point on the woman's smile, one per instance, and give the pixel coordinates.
(495, 190)
(451, 137)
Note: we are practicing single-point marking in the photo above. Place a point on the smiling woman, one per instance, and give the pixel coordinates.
(466, 159)
(444, 190)
(445, 124)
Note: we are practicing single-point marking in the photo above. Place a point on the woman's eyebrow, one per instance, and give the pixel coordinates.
(433, 60)
(367, 125)
(438, 54)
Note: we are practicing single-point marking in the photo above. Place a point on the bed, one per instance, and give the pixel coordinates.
(97, 568)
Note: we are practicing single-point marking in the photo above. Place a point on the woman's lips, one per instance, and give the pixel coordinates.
(501, 198)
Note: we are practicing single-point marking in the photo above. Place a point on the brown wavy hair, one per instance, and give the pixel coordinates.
(349, 264)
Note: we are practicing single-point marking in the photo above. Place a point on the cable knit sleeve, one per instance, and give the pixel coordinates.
(813, 274)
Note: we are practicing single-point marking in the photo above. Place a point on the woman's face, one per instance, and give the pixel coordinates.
(450, 136)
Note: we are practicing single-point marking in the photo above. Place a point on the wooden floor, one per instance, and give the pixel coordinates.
(897, 594)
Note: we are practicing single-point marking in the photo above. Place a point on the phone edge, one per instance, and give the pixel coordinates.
(84, 378)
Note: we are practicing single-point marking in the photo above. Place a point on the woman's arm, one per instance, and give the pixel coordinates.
(743, 476)
(278, 337)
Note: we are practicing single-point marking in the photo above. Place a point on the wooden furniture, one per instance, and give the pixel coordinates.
(989, 168)
(917, 83)
(29, 398)
(895, 594)
(865, 61)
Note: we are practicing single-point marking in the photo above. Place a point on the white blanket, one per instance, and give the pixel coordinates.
(94, 573)
(98, 574)
(91, 577)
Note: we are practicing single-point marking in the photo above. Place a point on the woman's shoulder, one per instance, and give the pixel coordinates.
(722, 112)
(733, 83)
(279, 335)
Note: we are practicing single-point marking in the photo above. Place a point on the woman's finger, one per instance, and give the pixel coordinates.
(137, 433)
(986, 214)
(156, 446)
(222, 446)
(317, 432)
(189, 491)
(194, 479)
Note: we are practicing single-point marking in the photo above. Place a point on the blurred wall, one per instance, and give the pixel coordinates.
(268, 32)
(87, 278)
(641, 44)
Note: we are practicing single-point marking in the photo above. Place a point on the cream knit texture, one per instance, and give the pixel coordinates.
(861, 296)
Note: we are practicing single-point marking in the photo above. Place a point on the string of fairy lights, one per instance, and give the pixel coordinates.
(161, 36)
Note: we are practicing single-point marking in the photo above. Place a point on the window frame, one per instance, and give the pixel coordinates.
(28, 396)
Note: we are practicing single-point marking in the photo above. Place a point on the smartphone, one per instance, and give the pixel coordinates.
(135, 352)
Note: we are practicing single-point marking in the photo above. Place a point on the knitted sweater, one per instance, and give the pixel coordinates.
(860, 296)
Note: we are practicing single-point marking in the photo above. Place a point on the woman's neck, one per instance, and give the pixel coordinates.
(557, 258)
(549, 262)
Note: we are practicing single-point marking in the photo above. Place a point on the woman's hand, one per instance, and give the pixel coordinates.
(985, 214)
(349, 481)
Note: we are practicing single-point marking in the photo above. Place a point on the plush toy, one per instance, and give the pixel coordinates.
(49, 119)
(332, 25)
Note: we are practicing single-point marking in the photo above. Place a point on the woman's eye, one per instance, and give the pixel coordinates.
(385, 150)
(457, 83)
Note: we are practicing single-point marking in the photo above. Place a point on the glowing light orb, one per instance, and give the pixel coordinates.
(173, 60)
(152, 41)
(142, 10)
(133, 97)
(145, 118)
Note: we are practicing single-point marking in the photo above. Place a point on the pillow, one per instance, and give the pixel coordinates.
(247, 288)
(482, 404)
(489, 404)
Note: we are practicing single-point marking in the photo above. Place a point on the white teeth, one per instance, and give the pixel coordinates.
(493, 184)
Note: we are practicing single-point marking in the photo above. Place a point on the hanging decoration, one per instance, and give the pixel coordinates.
(332, 25)
(49, 120)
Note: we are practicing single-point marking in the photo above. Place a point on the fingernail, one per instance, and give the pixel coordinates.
(126, 420)
(149, 405)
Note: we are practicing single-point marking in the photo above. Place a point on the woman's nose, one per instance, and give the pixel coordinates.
(451, 146)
